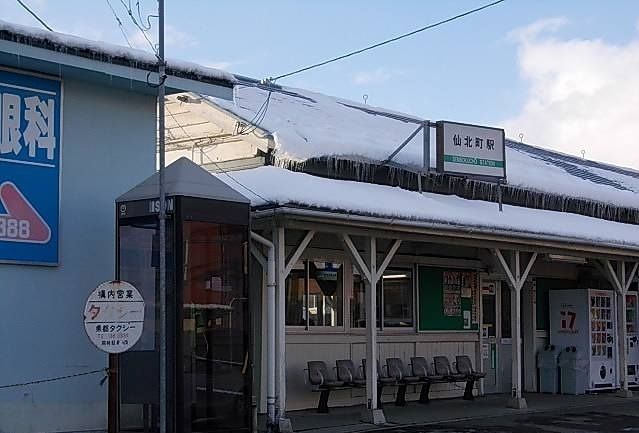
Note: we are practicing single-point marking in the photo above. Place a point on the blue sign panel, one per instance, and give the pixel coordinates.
(30, 138)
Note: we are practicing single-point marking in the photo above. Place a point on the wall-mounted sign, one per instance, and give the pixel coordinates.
(471, 150)
(30, 144)
(114, 316)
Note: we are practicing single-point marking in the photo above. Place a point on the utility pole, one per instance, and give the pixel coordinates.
(164, 428)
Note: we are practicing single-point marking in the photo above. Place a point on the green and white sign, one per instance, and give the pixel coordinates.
(471, 150)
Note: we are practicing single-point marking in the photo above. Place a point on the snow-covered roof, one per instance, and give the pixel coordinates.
(308, 125)
(271, 185)
(105, 52)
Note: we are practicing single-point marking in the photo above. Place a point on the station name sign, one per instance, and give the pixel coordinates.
(471, 150)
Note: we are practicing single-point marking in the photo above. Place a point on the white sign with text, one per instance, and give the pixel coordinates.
(114, 316)
(471, 150)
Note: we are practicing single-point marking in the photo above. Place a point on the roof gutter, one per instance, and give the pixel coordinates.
(467, 234)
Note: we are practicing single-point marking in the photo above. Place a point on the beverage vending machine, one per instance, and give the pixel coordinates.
(632, 346)
(586, 319)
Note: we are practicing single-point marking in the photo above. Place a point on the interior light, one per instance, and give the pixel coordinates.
(394, 276)
(566, 259)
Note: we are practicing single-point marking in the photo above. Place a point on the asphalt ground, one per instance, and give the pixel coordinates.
(618, 418)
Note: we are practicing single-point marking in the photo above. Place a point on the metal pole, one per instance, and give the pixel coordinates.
(371, 327)
(426, 129)
(164, 428)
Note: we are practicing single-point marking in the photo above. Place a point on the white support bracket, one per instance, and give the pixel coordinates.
(298, 252)
(372, 274)
(359, 261)
(517, 282)
(621, 282)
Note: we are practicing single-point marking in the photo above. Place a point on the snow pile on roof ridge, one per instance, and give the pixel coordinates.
(307, 125)
(113, 50)
(279, 186)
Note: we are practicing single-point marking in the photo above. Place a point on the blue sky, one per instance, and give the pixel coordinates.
(469, 70)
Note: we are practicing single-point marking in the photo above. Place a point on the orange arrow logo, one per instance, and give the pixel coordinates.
(21, 223)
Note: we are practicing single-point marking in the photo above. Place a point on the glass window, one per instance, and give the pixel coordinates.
(489, 315)
(396, 297)
(296, 314)
(314, 294)
(506, 324)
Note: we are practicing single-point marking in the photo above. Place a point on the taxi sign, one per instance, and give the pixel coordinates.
(114, 316)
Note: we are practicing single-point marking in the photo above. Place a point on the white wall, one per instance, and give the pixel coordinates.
(108, 146)
(327, 347)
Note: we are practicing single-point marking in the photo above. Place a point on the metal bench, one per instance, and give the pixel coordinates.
(403, 378)
(347, 373)
(424, 371)
(323, 382)
(465, 366)
(382, 381)
(443, 368)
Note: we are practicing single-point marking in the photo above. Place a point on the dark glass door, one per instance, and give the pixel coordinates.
(214, 329)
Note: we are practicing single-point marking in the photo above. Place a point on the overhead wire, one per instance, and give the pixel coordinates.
(40, 20)
(388, 41)
(222, 170)
(261, 113)
(148, 17)
(119, 21)
(141, 28)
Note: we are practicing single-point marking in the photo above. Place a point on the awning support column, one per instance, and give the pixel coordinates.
(516, 281)
(621, 282)
(372, 275)
(283, 269)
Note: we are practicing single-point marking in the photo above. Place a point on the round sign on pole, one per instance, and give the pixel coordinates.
(114, 316)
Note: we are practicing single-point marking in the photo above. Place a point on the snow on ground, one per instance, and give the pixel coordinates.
(280, 186)
(113, 50)
(307, 124)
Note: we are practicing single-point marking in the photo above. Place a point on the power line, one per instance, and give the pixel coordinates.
(148, 17)
(388, 41)
(46, 26)
(216, 164)
(54, 379)
(142, 29)
(119, 21)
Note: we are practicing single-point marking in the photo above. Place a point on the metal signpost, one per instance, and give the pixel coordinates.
(164, 424)
(114, 316)
(472, 151)
(30, 137)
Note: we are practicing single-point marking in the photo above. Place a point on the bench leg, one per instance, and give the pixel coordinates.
(322, 407)
(400, 400)
(423, 394)
(468, 392)
(380, 388)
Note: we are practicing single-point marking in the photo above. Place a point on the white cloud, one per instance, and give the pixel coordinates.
(583, 94)
(375, 76)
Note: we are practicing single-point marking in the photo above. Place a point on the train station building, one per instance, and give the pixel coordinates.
(304, 230)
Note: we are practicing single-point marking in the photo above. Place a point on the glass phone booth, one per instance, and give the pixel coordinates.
(209, 363)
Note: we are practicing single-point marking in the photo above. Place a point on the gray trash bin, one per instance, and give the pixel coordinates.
(573, 368)
(548, 371)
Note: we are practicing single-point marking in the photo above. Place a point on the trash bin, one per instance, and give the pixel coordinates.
(573, 368)
(547, 369)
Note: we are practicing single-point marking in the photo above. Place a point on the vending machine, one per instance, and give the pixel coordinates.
(632, 346)
(586, 319)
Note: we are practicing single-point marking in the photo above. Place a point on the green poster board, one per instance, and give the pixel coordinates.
(448, 299)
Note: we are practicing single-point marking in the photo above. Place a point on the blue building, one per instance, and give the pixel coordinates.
(77, 129)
